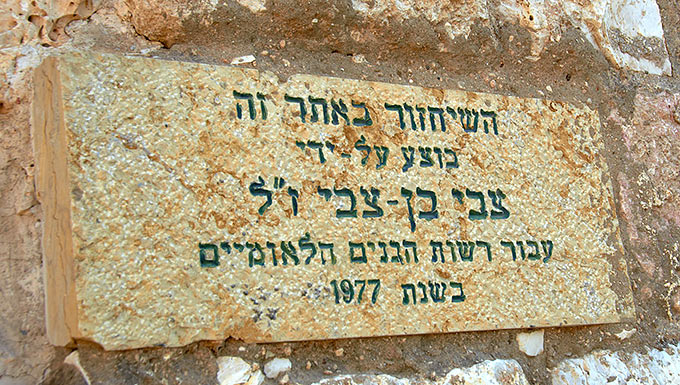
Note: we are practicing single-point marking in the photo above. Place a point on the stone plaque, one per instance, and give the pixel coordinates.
(187, 202)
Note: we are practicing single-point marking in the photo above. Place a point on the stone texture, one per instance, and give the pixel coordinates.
(73, 359)
(634, 36)
(496, 372)
(232, 371)
(618, 28)
(531, 344)
(235, 371)
(188, 365)
(275, 367)
(254, 6)
(65, 374)
(458, 18)
(256, 378)
(162, 20)
(491, 372)
(135, 146)
(651, 137)
(29, 31)
(649, 192)
(627, 32)
(25, 355)
(143, 173)
(623, 334)
(22, 21)
(656, 367)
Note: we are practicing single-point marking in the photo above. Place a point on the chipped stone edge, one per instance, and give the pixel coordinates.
(49, 148)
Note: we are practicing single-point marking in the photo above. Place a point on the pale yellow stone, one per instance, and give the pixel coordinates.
(140, 160)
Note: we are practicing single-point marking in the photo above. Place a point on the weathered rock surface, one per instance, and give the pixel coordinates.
(649, 194)
(496, 372)
(618, 28)
(656, 367)
(232, 371)
(465, 45)
(275, 367)
(22, 21)
(191, 365)
(537, 164)
(235, 371)
(627, 32)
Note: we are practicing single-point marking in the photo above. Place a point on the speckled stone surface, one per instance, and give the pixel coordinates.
(159, 233)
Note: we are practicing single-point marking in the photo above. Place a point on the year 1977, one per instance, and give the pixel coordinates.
(349, 291)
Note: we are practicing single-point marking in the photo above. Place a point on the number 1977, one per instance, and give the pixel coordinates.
(346, 290)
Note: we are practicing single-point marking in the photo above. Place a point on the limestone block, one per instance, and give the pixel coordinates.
(186, 202)
(491, 372)
(629, 33)
(496, 372)
(656, 367)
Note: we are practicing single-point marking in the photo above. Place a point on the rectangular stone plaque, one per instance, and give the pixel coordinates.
(187, 202)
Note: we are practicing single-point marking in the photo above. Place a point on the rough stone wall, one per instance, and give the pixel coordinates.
(620, 57)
